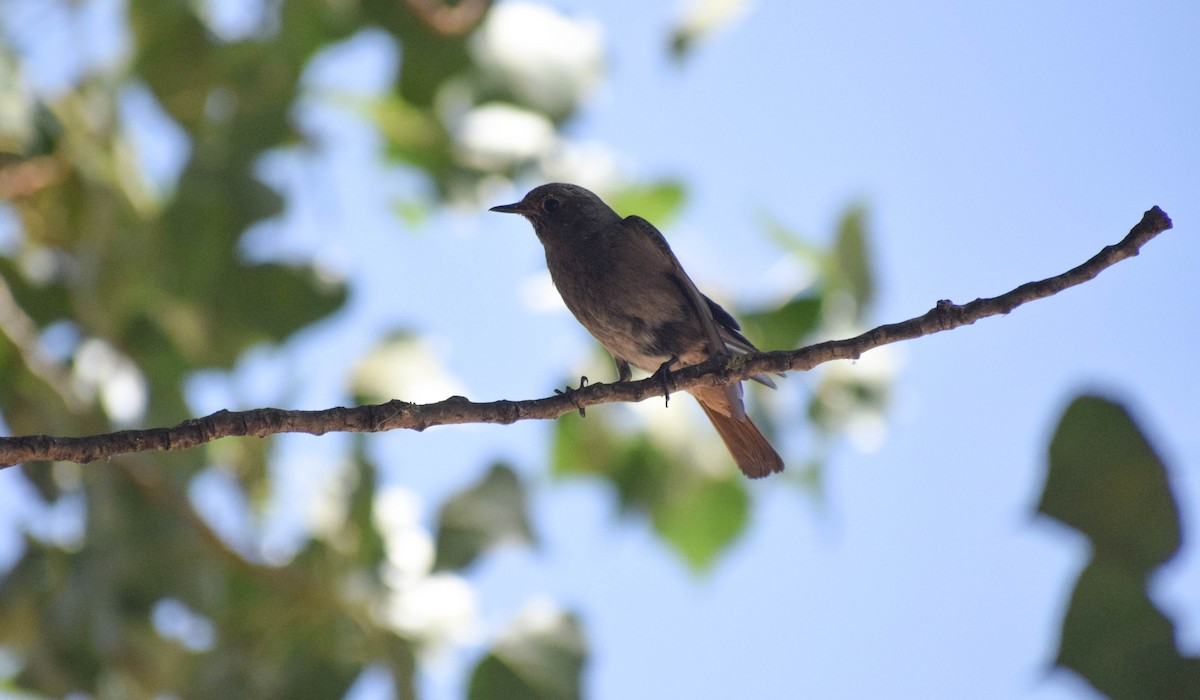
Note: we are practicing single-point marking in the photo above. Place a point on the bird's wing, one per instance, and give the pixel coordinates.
(722, 317)
(700, 304)
(735, 342)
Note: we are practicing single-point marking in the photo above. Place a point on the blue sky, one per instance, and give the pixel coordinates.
(993, 144)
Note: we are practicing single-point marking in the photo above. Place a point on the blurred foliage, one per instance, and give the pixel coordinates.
(1107, 482)
(486, 515)
(83, 619)
(697, 511)
(152, 275)
(838, 305)
(118, 286)
(540, 657)
(784, 326)
(698, 21)
(853, 261)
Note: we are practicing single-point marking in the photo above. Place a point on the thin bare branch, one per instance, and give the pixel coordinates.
(28, 176)
(450, 19)
(719, 371)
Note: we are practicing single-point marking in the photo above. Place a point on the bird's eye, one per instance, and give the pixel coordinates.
(550, 204)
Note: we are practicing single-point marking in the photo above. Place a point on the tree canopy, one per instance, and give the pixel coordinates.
(145, 251)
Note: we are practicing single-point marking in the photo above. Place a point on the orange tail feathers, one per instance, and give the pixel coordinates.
(750, 449)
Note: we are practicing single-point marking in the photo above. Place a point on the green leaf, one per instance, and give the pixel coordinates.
(704, 518)
(287, 298)
(581, 445)
(41, 302)
(1106, 481)
(413, 135)
(1115, 638)
(783, 328)
(174, 56)
(540, 657)
(657, 203)
(853, 257)
(493, 512)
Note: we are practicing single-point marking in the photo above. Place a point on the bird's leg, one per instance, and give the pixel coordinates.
(624, 373)
(568, 392)
(663, 374)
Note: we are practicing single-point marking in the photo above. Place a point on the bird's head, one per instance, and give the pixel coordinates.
(561, 209)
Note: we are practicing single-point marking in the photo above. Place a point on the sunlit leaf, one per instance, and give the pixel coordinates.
(783, 328)
(704, 518)
(581, 445)
(413, 135)
(657, 202)
(853, 256)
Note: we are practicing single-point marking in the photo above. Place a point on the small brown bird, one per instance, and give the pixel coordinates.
(621, 280)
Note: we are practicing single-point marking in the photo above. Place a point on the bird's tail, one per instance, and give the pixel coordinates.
(750, 449)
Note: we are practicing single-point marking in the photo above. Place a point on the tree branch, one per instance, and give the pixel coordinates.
(718, 371)
(450, 19)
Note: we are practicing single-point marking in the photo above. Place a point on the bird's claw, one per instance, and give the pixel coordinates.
(663, 374)
(568, 392)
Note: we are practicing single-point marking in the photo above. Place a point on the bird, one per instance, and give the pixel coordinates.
(621, 280)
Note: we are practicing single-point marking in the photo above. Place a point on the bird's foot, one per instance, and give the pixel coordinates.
(569, 393)
(624, 373)
(663, 375)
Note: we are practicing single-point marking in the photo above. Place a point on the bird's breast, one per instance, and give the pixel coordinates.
(637, 312)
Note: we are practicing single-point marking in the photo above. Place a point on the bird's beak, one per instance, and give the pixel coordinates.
(509, 209)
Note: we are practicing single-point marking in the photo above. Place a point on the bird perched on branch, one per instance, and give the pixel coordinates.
(623, 283)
